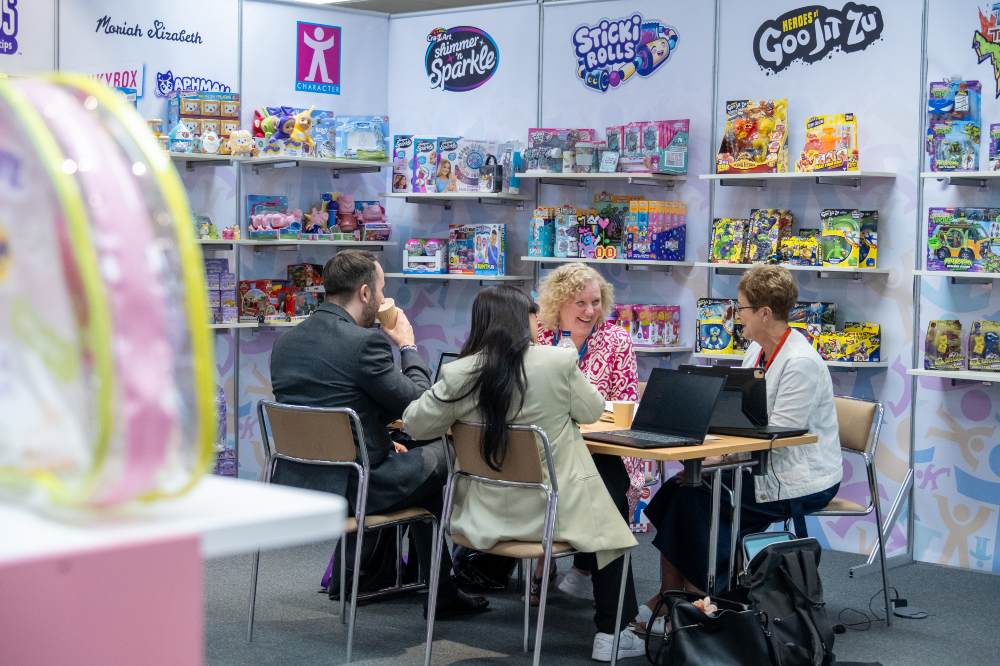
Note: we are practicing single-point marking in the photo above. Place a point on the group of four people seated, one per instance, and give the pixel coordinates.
(510, 371)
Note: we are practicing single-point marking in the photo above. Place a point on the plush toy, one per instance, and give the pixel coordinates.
(347, 219)
(180, 139)
(317, 221)
(282, 132)
(241, 144)
(210, 142)
(299, 136)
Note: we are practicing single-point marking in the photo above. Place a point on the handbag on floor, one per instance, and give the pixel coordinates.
(734, 635)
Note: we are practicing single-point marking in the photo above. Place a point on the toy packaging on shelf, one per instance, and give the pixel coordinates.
(461, 249)
(446, 157)
(305, 275)
(965, 240)
(823, 314)
(859, 342)
(954, 125)
(831, 144)
(567, 231)
(268, 218)
(995, 146)
(546, 146)
(656, 230)
(316, 224)
(652, 146)
(491, 249)
(221, 284)
(402, 162)
(840, 243)
(424, 165)
(767, 228)
(362, 137)
(205, 110)
(716, 329)
(509, 156)
(728, 240)
(470, 156)
(943, 345)
(984, 345)
(613, 213)
(755, 137)
(258, 299)
(542, 233)
(425, 255)
(801, 249)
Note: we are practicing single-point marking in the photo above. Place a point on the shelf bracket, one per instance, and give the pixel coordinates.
(741, 182)
(854, 183)
(838, 275)
(652, 267)
(955, 280)
(960, 181)
(563, 183)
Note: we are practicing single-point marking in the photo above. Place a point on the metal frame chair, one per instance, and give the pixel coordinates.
(521, 469)
(859, 423)
(330, 437)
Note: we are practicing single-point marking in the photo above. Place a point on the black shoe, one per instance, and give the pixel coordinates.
(460, 605)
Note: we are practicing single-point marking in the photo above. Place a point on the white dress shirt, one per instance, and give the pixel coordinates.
(799, 395)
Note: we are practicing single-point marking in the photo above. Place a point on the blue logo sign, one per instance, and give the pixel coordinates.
(460, 58)
(8, 27)
(611, 51)
(167, 82)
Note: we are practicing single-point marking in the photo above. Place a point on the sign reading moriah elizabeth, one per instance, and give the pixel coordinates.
(611, 51)
(8, 27)
(317, 58)
(461, 58)
(158, 30)
(809, 34)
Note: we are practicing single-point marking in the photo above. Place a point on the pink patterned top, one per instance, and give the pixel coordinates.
(609, 363)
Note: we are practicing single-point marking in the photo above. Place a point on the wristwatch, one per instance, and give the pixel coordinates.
(408, 348)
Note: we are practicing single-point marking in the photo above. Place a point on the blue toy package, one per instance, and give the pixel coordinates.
(445, 177)
(669, 245)
(995, 146)
(424, 165)
(362, 137)
(954, 125)
(324, 133)
(542, 233)
(491, 249)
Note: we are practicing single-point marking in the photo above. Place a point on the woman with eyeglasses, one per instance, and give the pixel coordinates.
(798, 479)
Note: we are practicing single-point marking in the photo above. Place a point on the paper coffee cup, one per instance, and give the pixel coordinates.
(624, 410)
(387, 313)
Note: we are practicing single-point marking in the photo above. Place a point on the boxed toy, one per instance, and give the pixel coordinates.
(811, 331)
(567, 233)
(716, 327)
(305, 275)
(299, 303)
(639, 151)
(755, 137)
(446, 158)
(424, 165)
(588, 234)
(801, 250)
(402, 162)
(258, 299)
(491, 249)
(672, 145)
(728, 240)
(546, 147)
(362, 137)
(425, 255)
(268, 218)
(469, 156)
(867, 343)
(767, 228)
(995, 146)
(840, 243)
(943, 345)
(656, 324)
(623, 315)
(822, 314)
(509, 156)
(613, 211)
(542, 233)
(963, 240)
(461, 249)
(868, 252)
(638, 241)
(984, 345)
(668, 230)
(221, 109)
(953, 125)
(831, 144)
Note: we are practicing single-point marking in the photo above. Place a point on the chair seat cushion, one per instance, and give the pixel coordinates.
(840, 505)
(406, 515)
(519, 550)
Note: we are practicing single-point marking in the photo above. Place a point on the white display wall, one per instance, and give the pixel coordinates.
(32, 26)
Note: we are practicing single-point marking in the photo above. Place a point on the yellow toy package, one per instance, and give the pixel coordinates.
(831, 144)
(943, 345)
(755, 139)
(800, 250)
(984, 345)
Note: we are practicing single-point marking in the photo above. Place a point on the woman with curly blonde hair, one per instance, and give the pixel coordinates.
(576, 299)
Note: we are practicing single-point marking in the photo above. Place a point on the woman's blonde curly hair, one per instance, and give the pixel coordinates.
(563, 284)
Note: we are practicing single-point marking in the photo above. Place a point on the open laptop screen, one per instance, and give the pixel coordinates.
(677, 403)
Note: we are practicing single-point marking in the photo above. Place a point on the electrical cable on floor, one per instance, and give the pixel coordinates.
(896, 602)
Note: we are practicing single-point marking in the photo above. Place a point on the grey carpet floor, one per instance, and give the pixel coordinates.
(296, 625)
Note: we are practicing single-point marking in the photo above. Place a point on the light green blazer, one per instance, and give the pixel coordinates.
(558, 396)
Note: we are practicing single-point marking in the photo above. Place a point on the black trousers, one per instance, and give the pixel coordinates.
(607, 581)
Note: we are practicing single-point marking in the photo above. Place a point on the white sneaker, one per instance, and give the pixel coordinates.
(629, 645)
(576, 585)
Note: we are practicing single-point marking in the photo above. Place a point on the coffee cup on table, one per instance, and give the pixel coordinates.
(624, 411)
(387, 313)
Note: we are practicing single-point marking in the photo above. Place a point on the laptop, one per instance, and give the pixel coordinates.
(742, 406)
(674, 411)
(446, 357)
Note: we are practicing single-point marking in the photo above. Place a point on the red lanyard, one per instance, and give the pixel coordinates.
(767, 365)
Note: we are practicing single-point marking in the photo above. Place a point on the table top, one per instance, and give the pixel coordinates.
(718, 446)
(230, 516)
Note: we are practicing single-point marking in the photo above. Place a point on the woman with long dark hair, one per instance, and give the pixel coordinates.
(501, 378)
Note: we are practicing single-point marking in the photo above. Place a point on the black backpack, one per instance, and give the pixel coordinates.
(783, 583)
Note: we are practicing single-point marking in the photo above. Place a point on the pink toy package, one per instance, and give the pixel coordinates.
(645, 329)
(667, 321)
(402, 162)
(624, 316)
(424, 165)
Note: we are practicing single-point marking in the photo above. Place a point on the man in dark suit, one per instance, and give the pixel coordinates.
(336, 359)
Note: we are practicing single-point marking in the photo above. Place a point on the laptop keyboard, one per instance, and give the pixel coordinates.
(650, 437)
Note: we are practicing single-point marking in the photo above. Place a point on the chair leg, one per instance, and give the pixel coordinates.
(354, 588)
(399, 556)
(621, 602)
(432, 595)
(343, 579)
(540, 622)
(526, 574)
(253, 594)
(873, 488)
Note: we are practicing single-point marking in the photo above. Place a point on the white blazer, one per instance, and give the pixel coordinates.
(799, 395)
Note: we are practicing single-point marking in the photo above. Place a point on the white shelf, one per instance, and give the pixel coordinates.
(447, 277)
(291, 161)
(213, 241)
(448, 198)
(858, 365)
(717, 357)
(581, 179)
(848, 178)
(223, 327)
(318, 243)
(280, 324)
(628, 263)
(191, 160)
(230, 516)
(856, 273)
(964, 375)
(653, 349)
(955, 275)
(966, 178)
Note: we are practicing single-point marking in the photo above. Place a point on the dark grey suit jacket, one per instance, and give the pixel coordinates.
(330, 361)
